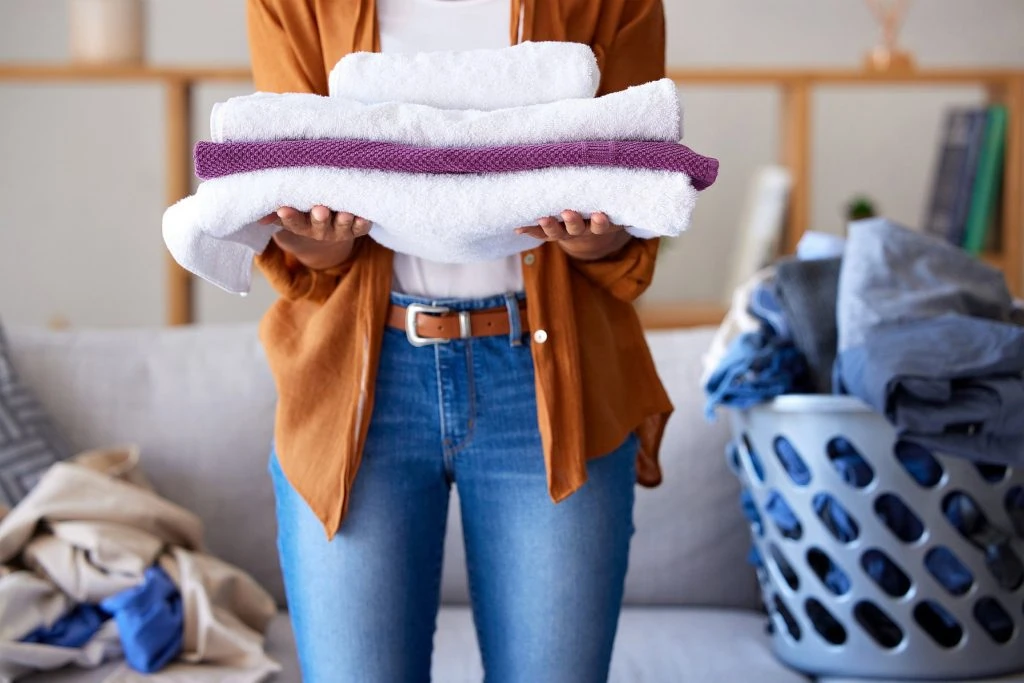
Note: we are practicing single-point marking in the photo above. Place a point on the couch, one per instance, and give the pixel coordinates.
(200, 403)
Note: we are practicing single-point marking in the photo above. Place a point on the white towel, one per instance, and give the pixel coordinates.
(446, 218)
(528, 73)
(643, 112)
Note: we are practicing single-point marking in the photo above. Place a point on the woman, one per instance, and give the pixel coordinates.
(544, 416)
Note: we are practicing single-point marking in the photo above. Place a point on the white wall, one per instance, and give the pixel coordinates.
(81, 167)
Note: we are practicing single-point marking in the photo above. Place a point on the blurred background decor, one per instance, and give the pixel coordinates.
(888, 54)
(107, 31)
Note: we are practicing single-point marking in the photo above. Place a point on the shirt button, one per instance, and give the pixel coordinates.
(529, 259)
(540, 336)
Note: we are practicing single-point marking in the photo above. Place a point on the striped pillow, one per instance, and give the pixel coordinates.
(28, 442)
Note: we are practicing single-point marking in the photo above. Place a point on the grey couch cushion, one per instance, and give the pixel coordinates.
(28, 442)
(200, 402)
(653, 645)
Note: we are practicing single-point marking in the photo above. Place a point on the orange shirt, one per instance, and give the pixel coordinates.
(595, 378)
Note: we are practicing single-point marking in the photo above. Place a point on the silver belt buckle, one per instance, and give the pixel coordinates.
(410, 323)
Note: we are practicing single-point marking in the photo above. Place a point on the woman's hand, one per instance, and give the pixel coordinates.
(588, 240)
(320, 239)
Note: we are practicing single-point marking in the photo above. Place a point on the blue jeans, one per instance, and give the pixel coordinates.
(546, 579)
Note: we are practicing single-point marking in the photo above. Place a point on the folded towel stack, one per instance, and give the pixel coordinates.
(443, 162)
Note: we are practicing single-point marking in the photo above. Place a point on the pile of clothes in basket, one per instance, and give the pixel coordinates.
(925, 334)
(928, 337)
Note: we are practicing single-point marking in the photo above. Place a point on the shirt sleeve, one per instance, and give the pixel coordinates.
(286, 57)
(635, 55)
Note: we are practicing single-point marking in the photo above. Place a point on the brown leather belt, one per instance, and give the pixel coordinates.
(425, 325)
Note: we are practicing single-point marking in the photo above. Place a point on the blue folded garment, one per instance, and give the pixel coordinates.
(150, 621)
(927, 338)
(74, 629)
(756, 369)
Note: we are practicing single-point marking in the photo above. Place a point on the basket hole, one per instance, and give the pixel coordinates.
(792, 627)
(786, 570)
(996, 621)
(791, 461)
(886, 573)
(850, 464)
(785, 519)
(834, 578)
(827, 626)
(1015, 508)
(899, 518)
(878, 625)
(993, 474)
(754, 458)
(751, 512)
(967, 517)
(836, 519)
(948, 570)
(732, 456)
(919, 463)
(938, 623)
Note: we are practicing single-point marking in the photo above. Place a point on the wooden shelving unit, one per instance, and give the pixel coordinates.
(796, 87)
(178, 85)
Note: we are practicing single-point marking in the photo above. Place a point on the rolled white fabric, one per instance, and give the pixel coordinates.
(523, 74)
(644, 112)
(446, 218)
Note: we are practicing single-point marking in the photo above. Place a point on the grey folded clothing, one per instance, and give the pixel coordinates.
(807, 292)
(926, 337)
(953, 384)
(892, 274)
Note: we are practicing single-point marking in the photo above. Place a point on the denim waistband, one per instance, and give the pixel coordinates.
(497, 301)
(510, 301)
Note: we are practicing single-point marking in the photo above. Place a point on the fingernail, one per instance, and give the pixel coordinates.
(281, 213)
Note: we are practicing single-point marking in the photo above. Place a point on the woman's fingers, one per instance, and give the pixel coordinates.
(295, 221)
(320, 222)
(574, 223)
(360, 227)
(600, 225)
(534, 231)
(343, 223)
(553, 228)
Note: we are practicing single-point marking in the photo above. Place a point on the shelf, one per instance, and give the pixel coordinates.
(143, 72)
(994, 259)
(843, 76)
(667, 316)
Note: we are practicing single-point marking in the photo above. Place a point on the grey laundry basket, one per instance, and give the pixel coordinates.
(899, 595)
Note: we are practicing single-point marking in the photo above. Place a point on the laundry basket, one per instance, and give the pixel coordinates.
(878, 558)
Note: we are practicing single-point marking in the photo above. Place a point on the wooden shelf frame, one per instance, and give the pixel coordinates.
(797, 88)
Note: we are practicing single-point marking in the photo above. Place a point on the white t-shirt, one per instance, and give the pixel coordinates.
(429, 26)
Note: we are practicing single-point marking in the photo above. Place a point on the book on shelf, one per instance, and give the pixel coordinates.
(952, 187)
(983, 214)
(964, 204)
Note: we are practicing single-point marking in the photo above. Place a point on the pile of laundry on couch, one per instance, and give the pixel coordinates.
(446, 154)
(94, 566)
(922, 332)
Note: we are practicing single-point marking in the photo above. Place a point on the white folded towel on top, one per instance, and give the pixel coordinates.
(643, 112)
(523, 74)
(215, 233)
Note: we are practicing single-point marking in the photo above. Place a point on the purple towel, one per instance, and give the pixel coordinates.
(213, 159)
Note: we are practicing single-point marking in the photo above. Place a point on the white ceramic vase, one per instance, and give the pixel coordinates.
(107, 31)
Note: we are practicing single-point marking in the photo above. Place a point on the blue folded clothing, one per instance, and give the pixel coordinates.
(926, 338)
(756, 369)
(74, 629)
(150, 622)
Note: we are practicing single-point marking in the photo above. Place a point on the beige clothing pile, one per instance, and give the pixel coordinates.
(88, 530)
